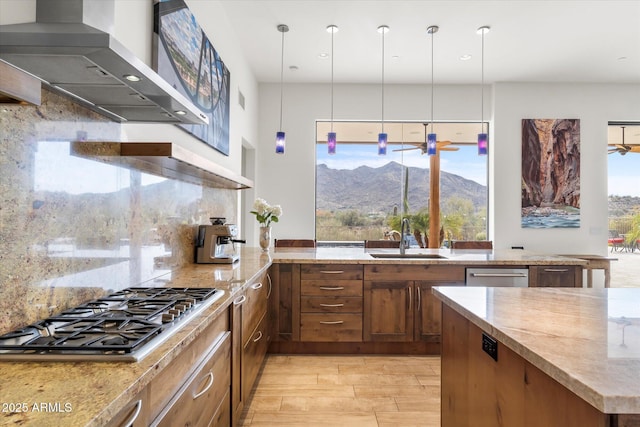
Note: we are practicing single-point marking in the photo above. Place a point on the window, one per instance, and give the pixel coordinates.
(361, 196)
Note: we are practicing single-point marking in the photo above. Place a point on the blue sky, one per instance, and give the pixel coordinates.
(624, 171)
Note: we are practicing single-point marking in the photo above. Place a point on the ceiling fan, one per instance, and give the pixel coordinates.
(624, 148)
(440, 145)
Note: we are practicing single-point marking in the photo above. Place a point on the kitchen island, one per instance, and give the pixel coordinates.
(533, 357)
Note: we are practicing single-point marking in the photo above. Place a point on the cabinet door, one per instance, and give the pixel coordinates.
(285, 302)
(388, 311)
(559, 276)
(254, 352)
(198, 399)
(428, 314)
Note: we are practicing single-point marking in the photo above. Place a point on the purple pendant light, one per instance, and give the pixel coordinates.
(382, 136)
(331, 137)
(280, 136)
(431, 138)
(482, 136)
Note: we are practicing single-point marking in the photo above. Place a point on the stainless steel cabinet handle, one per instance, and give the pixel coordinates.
(240, 300)
(409, 291)
(335, 322)
(556, 270)
(256, 286)
(134, 416)
(259, 336)
(498, 275)
(419, 302)
(332, 288)
(331, 305)
(270, 286)
(331, 271)
(210, 376)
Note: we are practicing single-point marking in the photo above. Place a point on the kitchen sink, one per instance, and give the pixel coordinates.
(407, 256)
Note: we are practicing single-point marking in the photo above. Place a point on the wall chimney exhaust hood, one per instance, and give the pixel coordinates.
(71, 49)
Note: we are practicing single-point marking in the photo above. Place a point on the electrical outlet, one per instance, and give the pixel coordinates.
(490, 346)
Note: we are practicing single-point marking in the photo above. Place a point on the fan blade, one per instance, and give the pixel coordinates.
(407, 149)
(443, 142)
(635, 149)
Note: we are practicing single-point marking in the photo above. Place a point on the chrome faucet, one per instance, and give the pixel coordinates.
(403, 240)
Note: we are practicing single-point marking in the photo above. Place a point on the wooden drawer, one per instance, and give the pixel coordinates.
(331, 327)
(331, 287)
(563, 276)
(254, 351)
(201, 395)
(164, 386)
(135, 414)
(331, 272)
(330, 304)
(222, 417)
(424, 272)
(255, 305)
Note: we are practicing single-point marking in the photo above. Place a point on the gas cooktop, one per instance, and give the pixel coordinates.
(123, 326)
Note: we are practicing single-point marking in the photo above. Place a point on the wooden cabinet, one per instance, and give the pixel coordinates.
(566, 276)
(331, 303)
(192, 390)
(478, 391)
(399, 305)
(250, 336)
(201, 399)
(135, 414)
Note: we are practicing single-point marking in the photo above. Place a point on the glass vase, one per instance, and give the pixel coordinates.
(265, 238)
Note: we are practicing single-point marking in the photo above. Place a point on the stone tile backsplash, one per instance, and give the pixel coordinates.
(73, 228)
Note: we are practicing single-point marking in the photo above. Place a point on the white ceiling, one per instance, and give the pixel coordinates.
(529, 41)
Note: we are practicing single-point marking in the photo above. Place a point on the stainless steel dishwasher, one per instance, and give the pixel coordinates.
(498, 277)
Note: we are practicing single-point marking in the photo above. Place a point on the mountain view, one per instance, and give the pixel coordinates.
(378, 190)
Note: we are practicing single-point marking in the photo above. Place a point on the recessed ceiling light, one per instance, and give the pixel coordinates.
(180, 112)
(132, 78)
(396, 57)
(622, 58)
(323, 55)
(465, 57)
(294, 67)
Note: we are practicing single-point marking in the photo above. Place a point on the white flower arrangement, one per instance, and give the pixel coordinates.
(265, 213)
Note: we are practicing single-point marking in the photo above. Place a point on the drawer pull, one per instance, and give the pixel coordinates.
(256, 286)
(409, 292)
(270, 286)
(210, 376)
(331, 305)
(556, 270)
(259, 336)
(332, 288)
(335, 322)
(419, 302)
(498, 275)
(331, 271)
(240, 300)
(134, 416)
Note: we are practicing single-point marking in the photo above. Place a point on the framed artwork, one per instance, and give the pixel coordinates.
(186, 59)
(550, 173)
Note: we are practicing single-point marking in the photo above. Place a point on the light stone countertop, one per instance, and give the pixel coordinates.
(349, 255)
(586, 339)
(91, 393)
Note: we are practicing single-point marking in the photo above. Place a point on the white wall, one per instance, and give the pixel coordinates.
(594, 105)
(289, 179)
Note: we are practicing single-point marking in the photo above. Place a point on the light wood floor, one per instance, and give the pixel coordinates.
(346, 391)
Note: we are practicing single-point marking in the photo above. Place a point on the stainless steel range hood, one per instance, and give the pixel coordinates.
(70, 48)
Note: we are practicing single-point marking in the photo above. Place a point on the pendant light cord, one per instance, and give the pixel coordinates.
(281, 77)
(382, 114)
(432, 33)
(482, 85)
(332, 32)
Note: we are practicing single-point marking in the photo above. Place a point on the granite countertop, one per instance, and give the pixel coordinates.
(349, 255)
(91, 393)
(586, 339)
